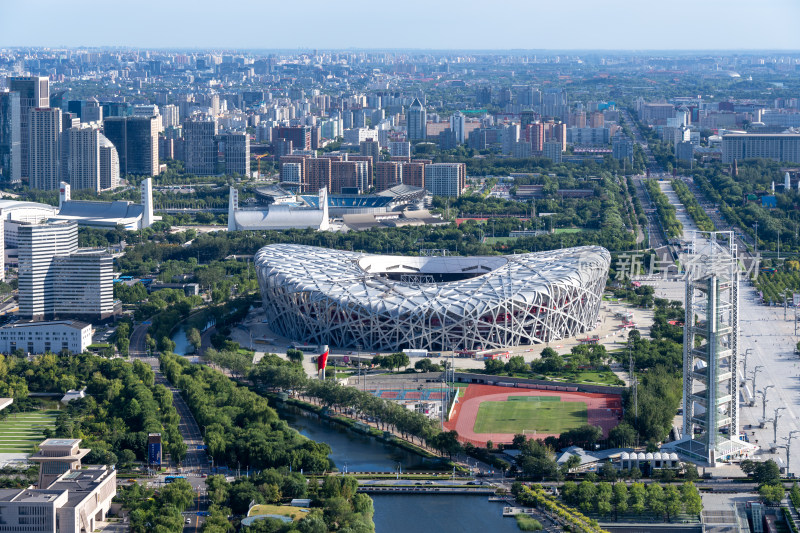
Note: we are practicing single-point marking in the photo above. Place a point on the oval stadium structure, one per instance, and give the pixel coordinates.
(379, 302)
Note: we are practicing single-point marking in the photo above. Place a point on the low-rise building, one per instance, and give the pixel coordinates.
(41, 337)
(69, 498)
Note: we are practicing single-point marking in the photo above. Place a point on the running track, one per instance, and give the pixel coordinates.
(604, 410)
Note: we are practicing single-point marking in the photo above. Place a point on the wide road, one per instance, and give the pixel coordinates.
(196, 461)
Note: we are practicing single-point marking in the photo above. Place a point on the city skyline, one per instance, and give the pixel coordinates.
(624, 25)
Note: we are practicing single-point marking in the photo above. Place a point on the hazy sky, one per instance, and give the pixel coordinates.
(440, 24)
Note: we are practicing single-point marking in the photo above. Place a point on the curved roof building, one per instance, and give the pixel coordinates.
(379, 302)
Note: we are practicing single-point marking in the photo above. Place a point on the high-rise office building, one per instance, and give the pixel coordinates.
(10, 140)
(84, 285)
(68, 121)
(299, 135)
(200, 146)
(109, 164)
(777, 146)
(136, 141)
(236, 147)
(34, 91)
(84, 157)
(39, 244)
(416, 121)
(92, 111)
(458, 125)
(45, 148)
(56, 279)
(445, 179)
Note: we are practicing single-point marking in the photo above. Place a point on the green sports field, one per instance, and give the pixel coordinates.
(20, 432)
(543, 414)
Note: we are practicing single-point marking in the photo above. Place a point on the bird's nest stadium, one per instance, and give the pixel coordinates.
(380, 302)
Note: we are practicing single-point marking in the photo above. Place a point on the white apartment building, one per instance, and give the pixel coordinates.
(356, 136)
(170, 116)
(42, 337)
(458, 124)
(109, 164)
(445, 179)
(291, 174)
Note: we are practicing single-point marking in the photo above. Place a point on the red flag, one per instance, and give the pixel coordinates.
(322, 360)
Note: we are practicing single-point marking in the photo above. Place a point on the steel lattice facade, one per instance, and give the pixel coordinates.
(376, 302)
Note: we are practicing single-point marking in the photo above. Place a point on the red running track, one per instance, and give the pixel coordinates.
(604, 410)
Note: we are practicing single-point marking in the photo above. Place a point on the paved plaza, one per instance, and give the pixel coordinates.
(769, 341)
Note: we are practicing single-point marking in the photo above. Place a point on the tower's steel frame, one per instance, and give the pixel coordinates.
(711, 348)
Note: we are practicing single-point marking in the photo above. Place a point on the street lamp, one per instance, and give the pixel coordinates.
(747, 352)
(763, 393)
(756, 370)
(788, 448)
(775, 424)
(756, 241)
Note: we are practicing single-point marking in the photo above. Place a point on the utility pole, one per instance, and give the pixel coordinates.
(756, 370)
(775, 424)
(764, 400)
(788, 448)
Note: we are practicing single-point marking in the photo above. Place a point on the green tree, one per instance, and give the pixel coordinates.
(295, 356)
(605, 495)
(692, 502)
(772, 493)
(178, 493)
(620, 499)
(655, 499)
(194, 338)
(672, 501)
(587, 496)
(638, 498)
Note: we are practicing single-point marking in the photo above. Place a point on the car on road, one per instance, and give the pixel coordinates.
(188, 520)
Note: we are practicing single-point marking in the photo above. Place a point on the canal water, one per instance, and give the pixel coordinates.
(443, 514)
(352, 451)
(401, 513)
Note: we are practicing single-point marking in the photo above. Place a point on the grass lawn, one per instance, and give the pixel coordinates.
(295, 513)
(593, 377)
(534, 414)
(20, 432)
(568, 230)
(501, 240)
